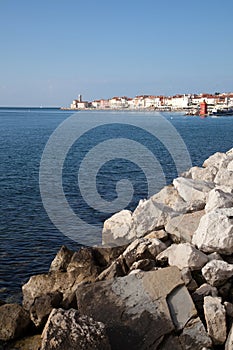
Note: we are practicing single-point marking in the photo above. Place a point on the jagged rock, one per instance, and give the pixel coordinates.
(118, 268)
(224, 177)
(214, 256)
(218, 199)
(143, 248)
(65, 329)
(205, 174)
(192, 191)
(184, 255)
(215, 232)
(61, 260)
(104, 256)
(215, 160)
(134, 308)
(27, 343)
(228, 308)
(181, 228)
(117, 229)
(83, 258)
(42, 306)
(170, 197)
(186, 276)
(215, 316)
(57, 281)
(14, 321)
(144, 264)
(229, 341)
(194, 336)
(150, 216)
(160, 234)
(217, 272)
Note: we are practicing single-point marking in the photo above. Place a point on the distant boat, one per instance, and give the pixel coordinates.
(222, 111)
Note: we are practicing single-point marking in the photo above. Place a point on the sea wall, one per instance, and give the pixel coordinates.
(162, 280)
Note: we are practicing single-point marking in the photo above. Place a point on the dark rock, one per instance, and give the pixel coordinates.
(66, 330)
(144, 264)
(118, 268)
(42, 307)
(14, 321)
(61, 260)
(28, 343)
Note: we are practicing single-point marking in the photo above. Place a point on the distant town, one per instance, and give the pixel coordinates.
(186, 102)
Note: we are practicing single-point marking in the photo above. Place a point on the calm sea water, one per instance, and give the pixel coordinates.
(28, 238)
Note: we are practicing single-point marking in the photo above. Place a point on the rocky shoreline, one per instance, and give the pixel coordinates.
(164, 281)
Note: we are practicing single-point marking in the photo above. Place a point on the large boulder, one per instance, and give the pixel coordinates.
(61, 260)
(193, 192)
(181, 228)
(14, 321)
(66, 329)
(218, 199)
(215, 232)
(194, 336)
(224, 177)
(217, 272)
(184, 255)
(215, 316)
(170, 197)
(204, 174)
(138, 309)
(215, 160)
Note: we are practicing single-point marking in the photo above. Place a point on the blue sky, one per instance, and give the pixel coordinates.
(52, 50)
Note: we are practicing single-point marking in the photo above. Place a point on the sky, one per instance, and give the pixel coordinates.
(53, 50)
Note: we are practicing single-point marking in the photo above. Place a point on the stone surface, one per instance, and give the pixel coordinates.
(118, 268)
(184, 255)
(194, 336)
(217, 272)
(224, 177)
(61, 260)
(144, 264)
(134, 308)
(170, 197)
(215, 160)
(215, 316)
(150, 216)
(181, 228)
(218, 199)
(160, 234)
(143, 248)
(205, 174)
(171, 343)
(228, 308)
(229, 341)
(215, 232)
(28, 343)
(14, 321)
(42, 306)
(192, 191)
(117, 229)
(65, 329)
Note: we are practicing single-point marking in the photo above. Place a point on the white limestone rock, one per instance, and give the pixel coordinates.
(215, 232)
(230, 166)
(229, 341)
(218, 199)
(224, 177)
(192, 191)
(215, 160)
(184, 255)
(215, 316)
(118, 228)
(170, 197)
(217, 272)
(149, 216)
(181, 228)
(205, 174)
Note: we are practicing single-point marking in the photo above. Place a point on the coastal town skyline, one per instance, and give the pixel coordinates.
(50, 49)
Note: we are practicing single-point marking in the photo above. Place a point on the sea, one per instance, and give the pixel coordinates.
(62, 173)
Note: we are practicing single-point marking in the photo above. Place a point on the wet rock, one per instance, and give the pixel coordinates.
(134, 308)
(192, 191)
(181, 228)
(67, 330)
(184, 255)
(14, 321)
(194, 336)
(143, 248)
(218, 199)
(118, 230)
(215, 316)
(217, 272)
(61, 260)
(42, 307)
(215, 232)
